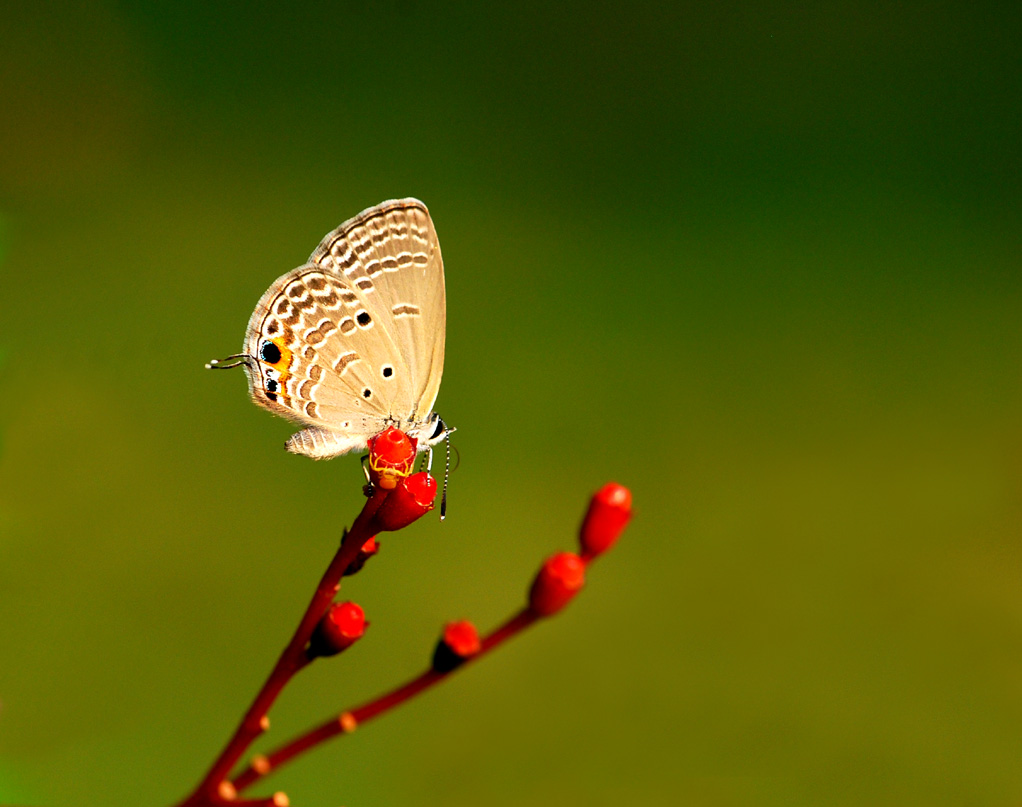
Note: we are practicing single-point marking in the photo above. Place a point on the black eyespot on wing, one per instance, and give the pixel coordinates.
(269, 352)
(367, 393)
(363, 318)
(388, 371)
(272, 396)
(271, 385)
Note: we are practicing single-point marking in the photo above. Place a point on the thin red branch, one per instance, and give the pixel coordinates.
(348, 721)
(292, 659)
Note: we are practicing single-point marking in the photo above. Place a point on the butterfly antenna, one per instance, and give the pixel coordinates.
(447, 475)
(229, 362)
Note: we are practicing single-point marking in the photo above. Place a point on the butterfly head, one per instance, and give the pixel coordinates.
(434, 430)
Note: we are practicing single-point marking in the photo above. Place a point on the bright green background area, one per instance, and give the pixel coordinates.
(759, 263)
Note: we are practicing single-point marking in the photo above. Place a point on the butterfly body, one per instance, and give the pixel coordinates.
(352, 342)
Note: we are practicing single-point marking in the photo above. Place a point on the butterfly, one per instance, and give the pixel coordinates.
(352, 342)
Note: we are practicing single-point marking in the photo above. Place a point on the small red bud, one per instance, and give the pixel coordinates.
(369, 548)
(342, 626)
(458, 644)
(391, 454)
(411, 499)
(608, 514)
(559, 579)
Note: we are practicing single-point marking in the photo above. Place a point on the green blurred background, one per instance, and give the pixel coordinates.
(761, 263)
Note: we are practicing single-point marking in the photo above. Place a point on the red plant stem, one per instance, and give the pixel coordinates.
(348, 721)
(291, 660)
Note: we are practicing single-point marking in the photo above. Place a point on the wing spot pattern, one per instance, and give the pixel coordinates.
(297, 291)
(330, 300)
(318, 335)
(344, 361)
(343, 261)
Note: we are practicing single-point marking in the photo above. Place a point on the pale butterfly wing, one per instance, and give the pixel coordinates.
(392, 256)
(353, 341)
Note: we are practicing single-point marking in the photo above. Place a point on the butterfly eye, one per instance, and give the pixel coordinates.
(441, 427)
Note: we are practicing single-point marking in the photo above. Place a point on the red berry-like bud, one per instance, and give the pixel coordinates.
(391, 454)
(608, 514)
(411, 499)
(369, 548)
(458, 644)
(342, 626)
(560, 579)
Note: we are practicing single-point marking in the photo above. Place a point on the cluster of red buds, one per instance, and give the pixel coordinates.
(391, 457)
(396, 498)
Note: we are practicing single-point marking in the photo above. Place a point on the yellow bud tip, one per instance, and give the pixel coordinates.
(261, 764)
(280, 799)
(226, 791)
(264, 723)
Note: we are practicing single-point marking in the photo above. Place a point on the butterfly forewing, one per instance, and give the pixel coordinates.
(391, 257)
(354, 339)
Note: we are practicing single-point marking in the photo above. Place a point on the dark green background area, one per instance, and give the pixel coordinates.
(760, 263)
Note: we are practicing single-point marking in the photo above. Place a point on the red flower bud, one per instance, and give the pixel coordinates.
(412, 498)
(391, 454)
(369, 548)
(342, 626)
(459, 643)
(560, 579)
(609, 512)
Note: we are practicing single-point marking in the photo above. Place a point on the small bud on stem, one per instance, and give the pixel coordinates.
(341, 626)
(369, 548)
(458, 644)
(411, 498)
(558, 581)
(609, 512)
